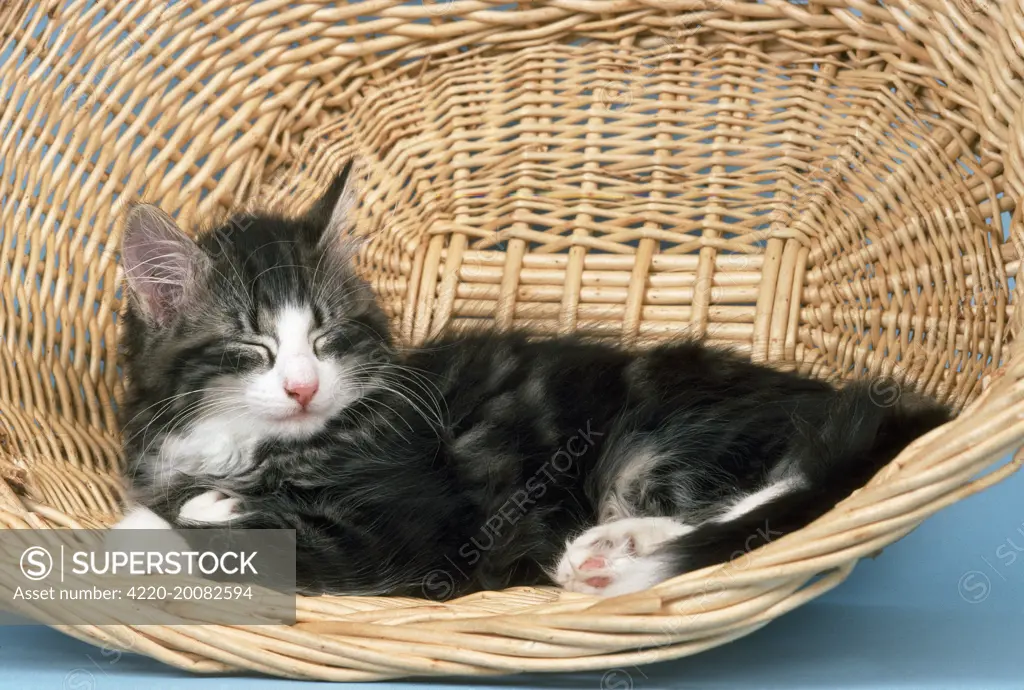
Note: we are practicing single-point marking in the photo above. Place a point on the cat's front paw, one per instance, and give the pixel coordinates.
(619, 557)
(124, 537)
(210, 507)
(140, 517)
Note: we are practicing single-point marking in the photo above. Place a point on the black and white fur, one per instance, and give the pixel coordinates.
(265, 391)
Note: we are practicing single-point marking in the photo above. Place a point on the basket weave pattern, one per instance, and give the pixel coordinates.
(819, 186)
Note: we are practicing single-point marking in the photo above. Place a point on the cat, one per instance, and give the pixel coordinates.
(265, 390)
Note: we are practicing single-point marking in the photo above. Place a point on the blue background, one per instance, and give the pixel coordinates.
(943, 608)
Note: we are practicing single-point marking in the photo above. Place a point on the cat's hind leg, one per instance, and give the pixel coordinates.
(619, 557)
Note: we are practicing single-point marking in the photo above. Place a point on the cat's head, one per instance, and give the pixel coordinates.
(261, 324)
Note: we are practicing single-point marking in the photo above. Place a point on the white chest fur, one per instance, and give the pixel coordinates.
(211, 447)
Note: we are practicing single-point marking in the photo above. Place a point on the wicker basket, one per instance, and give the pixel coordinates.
(820, 185)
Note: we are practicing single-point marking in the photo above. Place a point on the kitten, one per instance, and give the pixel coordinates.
(264, 390)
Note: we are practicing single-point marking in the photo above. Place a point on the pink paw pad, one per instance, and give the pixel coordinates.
(596, 563)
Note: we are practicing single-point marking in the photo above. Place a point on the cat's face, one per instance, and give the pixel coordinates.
(259, 328)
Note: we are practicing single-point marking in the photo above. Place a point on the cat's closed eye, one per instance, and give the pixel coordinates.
(320, 341)
(255, 352)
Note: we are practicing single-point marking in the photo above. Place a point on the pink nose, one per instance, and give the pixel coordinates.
(301, 392)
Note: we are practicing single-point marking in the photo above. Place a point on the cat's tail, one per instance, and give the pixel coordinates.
(866, 425)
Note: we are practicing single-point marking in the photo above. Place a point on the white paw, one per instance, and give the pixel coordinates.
(619, 557)
(209, 507)
(138, 517)
(122, 536)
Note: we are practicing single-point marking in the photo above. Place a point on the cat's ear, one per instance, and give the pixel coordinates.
(331, 215)
(161, 263)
